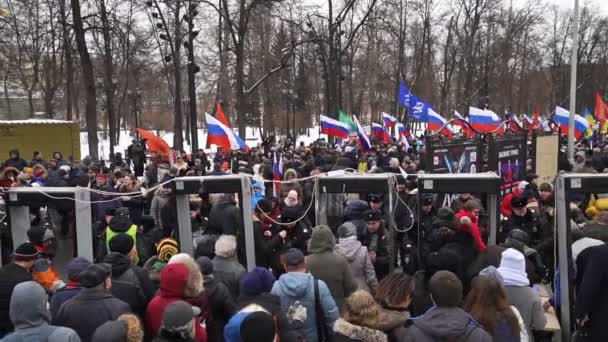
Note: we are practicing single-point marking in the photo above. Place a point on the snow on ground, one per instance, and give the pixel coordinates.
(252, 139)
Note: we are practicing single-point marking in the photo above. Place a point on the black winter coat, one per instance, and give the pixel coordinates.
(131, 284)
(592, 296)
(223, 306)
(272, 304)
(10, 276)
(88, 310)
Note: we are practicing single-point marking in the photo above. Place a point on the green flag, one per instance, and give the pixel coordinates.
(342, 117)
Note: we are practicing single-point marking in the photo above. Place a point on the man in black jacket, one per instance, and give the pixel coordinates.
(130, 283)
(378, 242)
(15, 161)
(522, 218)
(223, 306)
(93, 306)
(12, 274)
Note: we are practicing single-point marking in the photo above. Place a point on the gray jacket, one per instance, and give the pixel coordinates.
(229, 272)
(360, 263)
(158, 202)
(445, 324)
(528, 303)
(29, 314)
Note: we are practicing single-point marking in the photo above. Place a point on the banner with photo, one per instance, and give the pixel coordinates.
(507, 158)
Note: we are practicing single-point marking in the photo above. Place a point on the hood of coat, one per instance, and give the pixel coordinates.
(391, 319)
(349, 248)
(295, 284)
(120, 263)
(28, 306)
(358, 333)
(173, 280)
(290, 174)
(322, 240)
(8, 170)
(194, 281)
(443, 323)
(355, 210)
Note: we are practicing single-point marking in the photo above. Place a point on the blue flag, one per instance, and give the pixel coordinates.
(404, 95)
(418, 109)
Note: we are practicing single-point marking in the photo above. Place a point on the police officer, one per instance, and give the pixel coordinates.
(378, 242)
(522, 218)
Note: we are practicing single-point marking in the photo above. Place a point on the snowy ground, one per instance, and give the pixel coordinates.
(126, 137)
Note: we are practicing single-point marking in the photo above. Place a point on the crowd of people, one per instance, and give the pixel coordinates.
(371, 274)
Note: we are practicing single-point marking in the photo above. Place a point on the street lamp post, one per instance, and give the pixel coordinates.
(573, 67)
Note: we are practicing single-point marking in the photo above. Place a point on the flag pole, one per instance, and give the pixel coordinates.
(573, 65)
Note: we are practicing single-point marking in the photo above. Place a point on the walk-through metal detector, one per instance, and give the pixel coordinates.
(355, 184)
(241, 185)
(20, 200)
(476, 183)
(567, 185)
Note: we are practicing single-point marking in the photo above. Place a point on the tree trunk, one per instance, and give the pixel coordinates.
(108, 74)
(192, 86)
(241, 97)
(7, 97)
(69, 63)
(88, 79)
(178, 120)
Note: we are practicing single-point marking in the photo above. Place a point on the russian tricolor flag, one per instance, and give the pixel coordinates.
(462, 122)
(220, 135)
(379, 132)
(485, 121)
(437, 122)
(389, 120)
(366, 145)
(527, 120)
(580, 123)
(403, 130)
(334, 128)
(277, 174)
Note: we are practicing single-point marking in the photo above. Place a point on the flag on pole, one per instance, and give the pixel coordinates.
(222, 135)
(379, 132)
(418, 109)
(484, 120)
(404, 95)
(462, 122)
(342, 117)
(389, 120)
(601, 109)
(334, 127)
(219, 114)
(587, 115)
(277, 175)
(436, 122)
(403, 130)
(155, 143)
(366, 145)
(562, 116)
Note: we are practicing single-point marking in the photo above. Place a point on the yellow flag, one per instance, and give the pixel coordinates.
(591, 121)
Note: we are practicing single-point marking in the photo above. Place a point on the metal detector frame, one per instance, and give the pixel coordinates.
(18, 203)
(566, 184)
(241, 185)
(447, 183)
(356, 183)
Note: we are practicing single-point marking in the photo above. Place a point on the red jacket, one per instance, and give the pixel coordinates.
(173, 280)
(472, 228)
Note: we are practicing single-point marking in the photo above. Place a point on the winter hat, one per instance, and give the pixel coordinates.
(373, 215)
(121, 243)
(492, 272)
(546, 187)
(258, 326)
(292, 199)
(445, 218)
(178, 316)
(94, 275)
(205, 265)
(76, 266)
(294, 257)
(111, 331)
(347, 229)
(166, 248)
(26, 252)
(39, 234)
(581, 244)
(256, 282)
(518, 202)
(513, 268)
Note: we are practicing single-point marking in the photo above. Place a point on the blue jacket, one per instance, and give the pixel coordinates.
(296, 292)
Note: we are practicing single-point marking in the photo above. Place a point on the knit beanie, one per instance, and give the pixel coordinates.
(166, 248)
(121, 243)
(513, 268)
(347, 229)
(258, 326)
(76, 266)
(256, 282)
(205, 265)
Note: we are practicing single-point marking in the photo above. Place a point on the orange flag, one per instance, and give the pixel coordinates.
(535, 121)
(601, 109)
(155, 144)
(221, 116)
